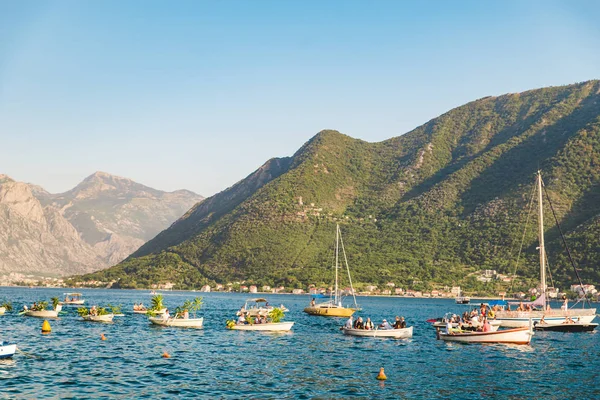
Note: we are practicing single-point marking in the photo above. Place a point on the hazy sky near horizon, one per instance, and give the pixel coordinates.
(198, 94)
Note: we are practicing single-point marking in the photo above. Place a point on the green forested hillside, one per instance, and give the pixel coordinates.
(431, 206)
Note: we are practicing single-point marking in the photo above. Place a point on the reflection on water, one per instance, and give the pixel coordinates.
(313, 360)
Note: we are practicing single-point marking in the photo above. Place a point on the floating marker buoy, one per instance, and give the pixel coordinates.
(166, 355)
(46, 327)
(102, 337)
(381, 376)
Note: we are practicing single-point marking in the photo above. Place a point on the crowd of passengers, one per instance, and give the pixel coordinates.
(400, 323)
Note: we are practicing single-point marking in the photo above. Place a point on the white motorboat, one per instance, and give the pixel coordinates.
(7, 350)
(98, 318)
(72, 299)
(514, 336)
(402, 333)
(551, 317)
(178, 322)
(269, 326)
(256, 307)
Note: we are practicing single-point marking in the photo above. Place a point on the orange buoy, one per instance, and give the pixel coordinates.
(46, 327)
(102, 337)
(166, 355)
(381, 376)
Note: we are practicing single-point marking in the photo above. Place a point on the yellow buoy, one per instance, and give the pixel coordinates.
(102, 337)
(381, 375)
(166, 355)
(46, 327)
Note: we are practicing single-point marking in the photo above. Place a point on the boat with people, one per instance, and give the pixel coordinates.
(98, 313)
(268, 326)
(334, 307)
(7, 349)
(271, 321)
(258, 306)
(400, 333)
(39, 309)
(178, 322)
(72, 299)
(461, 323)
(98, 318)
(540, 308)
(507, 336)
(568, 325)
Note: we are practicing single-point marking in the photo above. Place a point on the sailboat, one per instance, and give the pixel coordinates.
(515, 319)
(333, 307)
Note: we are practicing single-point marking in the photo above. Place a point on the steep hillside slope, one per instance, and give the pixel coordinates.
(430, 206)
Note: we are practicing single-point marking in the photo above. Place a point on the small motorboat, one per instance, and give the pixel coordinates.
(43, 313)
(402, 333)
(72, 299)
(7, 350)
(269, 326)
(196, 323)
(572, 327)
(98, 318)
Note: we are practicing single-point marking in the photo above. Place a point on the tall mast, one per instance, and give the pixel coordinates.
(337, 249)
(541, 238)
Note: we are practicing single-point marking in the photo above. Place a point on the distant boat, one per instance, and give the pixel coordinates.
(514, 319)
(7, 350)
(334, 307)
(72, 299)
(462, 299)
(402, 333)
(509, 336)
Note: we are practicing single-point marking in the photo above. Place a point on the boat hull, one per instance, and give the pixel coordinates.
(403, 333)
(330, 311)
(271, 327)
(99, 318)
(196, 323)
(72, 303)
(577, 327)
(512, 336)
(518, 319)
(7, 350)
(42, 314)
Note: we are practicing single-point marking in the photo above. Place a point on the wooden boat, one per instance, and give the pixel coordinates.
(403, 333)
(72, 299)
(574, 327)
(7, 350)
(2, 310)
(513, 319)
(334, 307)
(44, 313)
(513, 336)
(178, 322)
(269, 326)
(98, 318)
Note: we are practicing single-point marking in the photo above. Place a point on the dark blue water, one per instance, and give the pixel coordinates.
(314, 360)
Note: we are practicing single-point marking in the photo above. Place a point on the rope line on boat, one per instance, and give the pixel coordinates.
(512, 282)
(562, 236)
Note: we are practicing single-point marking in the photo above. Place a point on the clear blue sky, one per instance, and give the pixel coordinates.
(197, 94)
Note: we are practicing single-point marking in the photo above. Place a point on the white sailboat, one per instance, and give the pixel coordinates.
(515, 319)
(334, 307)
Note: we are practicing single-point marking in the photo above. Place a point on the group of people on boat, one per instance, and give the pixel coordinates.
(244, 319)
(399, 323)
(34, 307)
(139, 307)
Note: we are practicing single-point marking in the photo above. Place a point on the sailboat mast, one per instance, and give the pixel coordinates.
(337, 250)
(541, 239)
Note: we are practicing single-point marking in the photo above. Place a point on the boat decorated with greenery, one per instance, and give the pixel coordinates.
(98, 314)
(333, 307)
(272, 322)
(181, 318)
(39, 309)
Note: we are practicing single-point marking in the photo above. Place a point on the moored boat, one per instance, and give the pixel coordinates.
(269, 326)
(509, 336)
(256, 306)
(178, 322)
(98, 318)
(43, 313)
(7, 350)
(334, 307)
(402, 333)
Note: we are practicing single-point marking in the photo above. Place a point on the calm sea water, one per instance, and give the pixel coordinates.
(313, 361)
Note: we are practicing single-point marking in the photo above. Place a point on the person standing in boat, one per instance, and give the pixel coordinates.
(312, 302)
(565, 305)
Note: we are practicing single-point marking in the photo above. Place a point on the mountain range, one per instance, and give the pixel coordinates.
(430, 207)
(95, 225)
